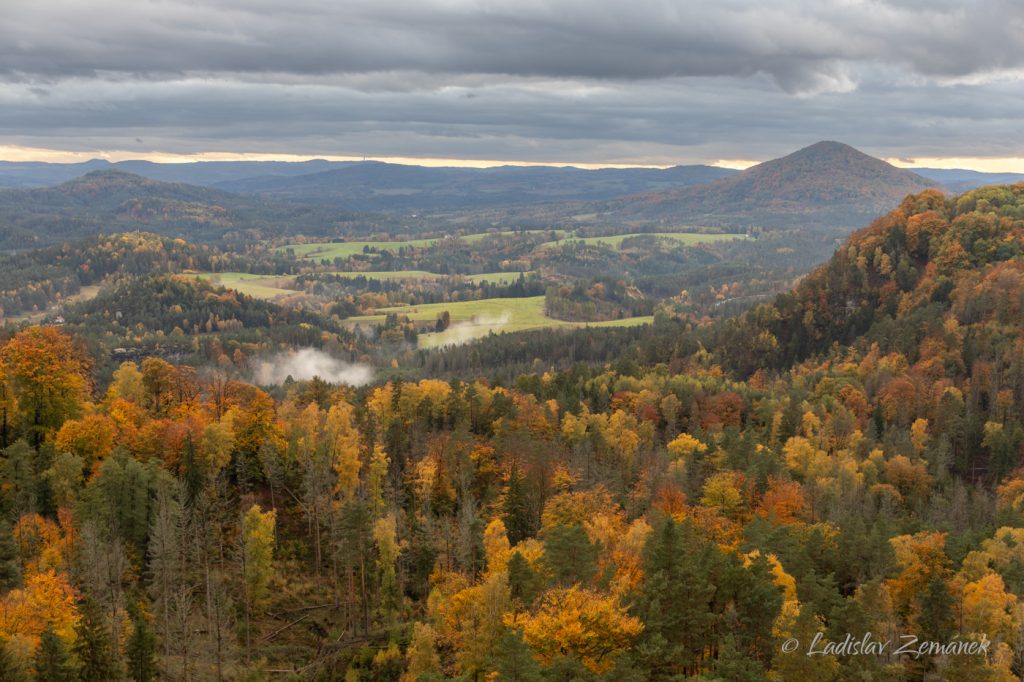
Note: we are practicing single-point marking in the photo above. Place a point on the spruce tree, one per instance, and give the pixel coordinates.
(517, 510)
(52, 662)
(514, 661)
(93, 646)
(141, 648)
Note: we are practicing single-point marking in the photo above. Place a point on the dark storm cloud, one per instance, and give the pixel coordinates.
(803, 44)
(584, 80)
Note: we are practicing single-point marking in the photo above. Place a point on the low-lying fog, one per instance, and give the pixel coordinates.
(306, 363)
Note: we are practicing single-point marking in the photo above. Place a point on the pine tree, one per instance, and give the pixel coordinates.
(675, 603)
(514, 661)
(10, 571)
(141, 648)
(93, 646)
(936, 619)
(734, 666)
(569, 555)
(52, 661)
(758, 602)
(522, 580)
(517, 509)
(797, 665)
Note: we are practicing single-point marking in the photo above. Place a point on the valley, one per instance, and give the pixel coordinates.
(453, 446)
(559, 341)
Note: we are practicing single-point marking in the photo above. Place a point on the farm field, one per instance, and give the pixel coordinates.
(331, 250)
(388, 275)
(615, 241)
(474, 319)
(270, 287)
(490, 277)
(497, 277)
(266, 287)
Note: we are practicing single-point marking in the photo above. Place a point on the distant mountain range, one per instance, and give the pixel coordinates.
(376, 186)
(828, 185)
(204, 173)
(959, 180)
(108, 201)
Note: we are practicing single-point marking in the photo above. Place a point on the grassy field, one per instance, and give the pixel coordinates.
(615, 241)
(490, 277)
(269, 287)
(390, 275)
(474, 319)
(266, 287)
(334, 250)
(497, 277)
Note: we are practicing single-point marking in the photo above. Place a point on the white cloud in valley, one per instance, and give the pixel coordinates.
(305, 363)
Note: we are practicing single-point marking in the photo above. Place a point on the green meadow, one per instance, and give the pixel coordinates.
(332, 250)
(475, 319)
(267, 287)
(389, 275)
(615, 241)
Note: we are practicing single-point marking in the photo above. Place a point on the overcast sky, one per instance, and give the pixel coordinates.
(582, 81)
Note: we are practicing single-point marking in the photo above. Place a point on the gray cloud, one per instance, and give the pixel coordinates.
(800, 43)
(582, 80)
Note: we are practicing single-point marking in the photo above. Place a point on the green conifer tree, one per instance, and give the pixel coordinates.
(141, 648)
(675, 603)
(516, 515)
(569, 555)
(514, 662)
(52, 661)
(93, 647)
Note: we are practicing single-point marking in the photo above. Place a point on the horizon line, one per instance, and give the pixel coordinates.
(19, 154)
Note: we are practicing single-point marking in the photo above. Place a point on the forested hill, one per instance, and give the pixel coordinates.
(374, 186)
(929, 279)
(106, 202)
(844, 461)
(827, 186)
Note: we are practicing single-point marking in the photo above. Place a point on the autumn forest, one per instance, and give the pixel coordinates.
(673, 501)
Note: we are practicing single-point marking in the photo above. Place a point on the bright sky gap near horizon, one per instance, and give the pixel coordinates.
(462, 82)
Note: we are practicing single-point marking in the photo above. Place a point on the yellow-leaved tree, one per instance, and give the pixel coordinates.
(343, 440)
(591, 625)
(258, 555)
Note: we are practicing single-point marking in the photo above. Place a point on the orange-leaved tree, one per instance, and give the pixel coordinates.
(49, 375)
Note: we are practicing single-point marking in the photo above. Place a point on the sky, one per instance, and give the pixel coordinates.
(480, 82)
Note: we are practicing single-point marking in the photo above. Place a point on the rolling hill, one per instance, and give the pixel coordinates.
(932, 273)
(27, 174)
(828, 186)
(106, 202)
(960, 180)
(375, 186)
